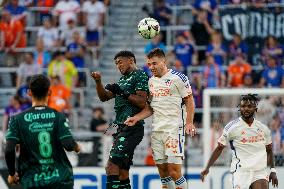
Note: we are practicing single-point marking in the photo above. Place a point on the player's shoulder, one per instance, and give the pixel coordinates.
(232, 125)
(141, 74)
(260, 124)
(178, 75)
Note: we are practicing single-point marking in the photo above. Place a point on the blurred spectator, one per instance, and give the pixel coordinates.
(217, 49)
(163, 15)
(226, 2)
(27, 68)
(149, 161)
(277, 135)
(272, 75)
(213, 76)
(59, 99)
(216, 131)
(209, 5)
(76, 50)
(17, 11)
(184, 52)
(64, 68)
(66, 36)
(156, 42)
(248, 81)
(76, 53)
(13, 108)
(26, 3)
(97, 124)
(66, 10)
(93, 19)
(237, 46)
(201, 31)
(22, 92)
(45, 14)
(12, 36)
(272, 48)
(48, 34)
(236, 71)
(266, 109)
(197, 91)
(41, 56)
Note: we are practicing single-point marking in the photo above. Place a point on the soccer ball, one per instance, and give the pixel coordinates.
(148, 28)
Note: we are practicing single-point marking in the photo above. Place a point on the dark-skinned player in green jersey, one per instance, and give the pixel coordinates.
(130, 93)
(43, 134)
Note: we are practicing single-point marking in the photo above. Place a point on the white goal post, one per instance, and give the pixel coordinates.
(207, 109)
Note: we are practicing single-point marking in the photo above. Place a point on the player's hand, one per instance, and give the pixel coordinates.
(273, 178)
(190, 129)
(96, 76)
(203, 174)
(131, 121)
(77, 148)
(13, 179)
(114, 88)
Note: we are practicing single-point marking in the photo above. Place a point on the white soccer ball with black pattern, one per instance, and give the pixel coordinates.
(148, 28)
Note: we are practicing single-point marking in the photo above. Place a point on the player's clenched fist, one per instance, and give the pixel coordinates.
(96, 76)
(131, 121)
(13, 179)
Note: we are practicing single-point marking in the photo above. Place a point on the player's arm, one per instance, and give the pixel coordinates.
(270, 162)
(65, 136)
(146, 112)
(215, 155)
(189, 105)
(139, 99)
(10, 156)
(104, 95)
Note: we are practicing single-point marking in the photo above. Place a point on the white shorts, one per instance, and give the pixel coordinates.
(242, 179)
(167, 147)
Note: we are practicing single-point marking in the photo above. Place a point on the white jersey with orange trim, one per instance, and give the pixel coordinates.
(248, 144)
(167, 93)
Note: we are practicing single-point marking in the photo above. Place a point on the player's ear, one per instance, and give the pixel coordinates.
(29, 92)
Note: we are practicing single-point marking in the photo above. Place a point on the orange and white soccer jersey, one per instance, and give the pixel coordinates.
(167, 93)
(248, 144)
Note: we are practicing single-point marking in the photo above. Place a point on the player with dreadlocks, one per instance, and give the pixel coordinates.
(251, 145)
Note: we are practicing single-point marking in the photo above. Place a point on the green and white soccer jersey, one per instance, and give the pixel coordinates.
(135, 81)
(42, 158)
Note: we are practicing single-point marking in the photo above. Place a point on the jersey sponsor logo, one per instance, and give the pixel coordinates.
(160, 92)
(37, 127)
(29, 117)
(253, 139)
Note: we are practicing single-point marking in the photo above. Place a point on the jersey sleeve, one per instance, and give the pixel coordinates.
(267, 136)
(142, 82)
(13, 130)
(63, 128)
(184, 87)
(225, 137)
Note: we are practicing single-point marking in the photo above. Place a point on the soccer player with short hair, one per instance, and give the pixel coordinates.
(170, 91)
(250, 141)
(130, 93)
(43, 134)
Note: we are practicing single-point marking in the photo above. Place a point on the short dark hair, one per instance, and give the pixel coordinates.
(156, 52)
(39, 86)
(127, 54)
(251, 97)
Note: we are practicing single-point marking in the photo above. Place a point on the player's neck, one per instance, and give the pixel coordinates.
(249, 121)
(164, 72)
(130, 70)
(36, 102)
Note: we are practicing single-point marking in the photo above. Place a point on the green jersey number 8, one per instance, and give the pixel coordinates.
(45, 147)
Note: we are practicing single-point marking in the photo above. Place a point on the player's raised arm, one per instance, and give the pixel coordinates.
(104, 95)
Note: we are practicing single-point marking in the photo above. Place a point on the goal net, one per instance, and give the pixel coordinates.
(221, 106)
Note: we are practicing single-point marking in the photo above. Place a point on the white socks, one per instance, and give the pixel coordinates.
(181, 183)
(168, 183)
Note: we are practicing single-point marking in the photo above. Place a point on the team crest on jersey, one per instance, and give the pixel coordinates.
(168, 82)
